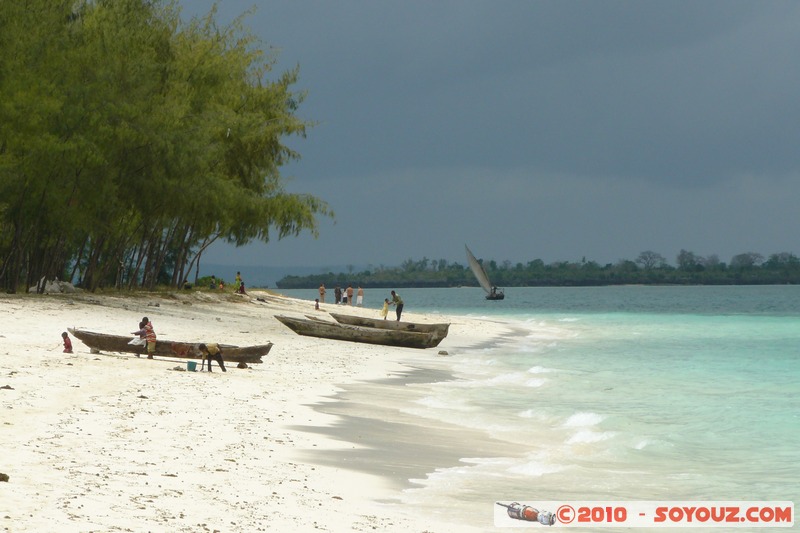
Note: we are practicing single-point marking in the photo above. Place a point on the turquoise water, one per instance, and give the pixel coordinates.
(619, 393)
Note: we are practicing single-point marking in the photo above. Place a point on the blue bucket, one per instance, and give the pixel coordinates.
(191, 366)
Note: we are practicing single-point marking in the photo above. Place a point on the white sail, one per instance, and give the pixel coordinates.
(479, 272)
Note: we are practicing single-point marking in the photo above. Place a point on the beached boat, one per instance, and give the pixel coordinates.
(315, 327)
(492, 292)
(102, 342)
(439, 330)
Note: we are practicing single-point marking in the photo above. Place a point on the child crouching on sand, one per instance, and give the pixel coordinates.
(67, 343)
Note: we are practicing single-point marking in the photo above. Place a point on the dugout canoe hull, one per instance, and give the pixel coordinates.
(439, 330)
(344, 332)
(103, 342)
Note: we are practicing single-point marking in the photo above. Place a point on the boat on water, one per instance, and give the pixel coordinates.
(439, 330)
(492, 292)
(103, 342)
(315, 327)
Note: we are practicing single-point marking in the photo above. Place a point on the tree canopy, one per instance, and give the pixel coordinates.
(131, 140)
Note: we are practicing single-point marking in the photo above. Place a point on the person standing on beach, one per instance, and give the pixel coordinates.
(360, 296)
(337, 293)
(67, 343)
(238, 281)
(146, 330)
(322, 293)
(398, 303)
(385, 310)
(150, 335)
(350, 294)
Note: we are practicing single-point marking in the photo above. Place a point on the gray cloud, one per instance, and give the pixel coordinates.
(540, 129)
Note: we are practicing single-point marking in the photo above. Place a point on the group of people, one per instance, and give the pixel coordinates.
(347, 296)
(238, 284)
(214, 284)
(147, 334)
(397, 302)
(343, 296)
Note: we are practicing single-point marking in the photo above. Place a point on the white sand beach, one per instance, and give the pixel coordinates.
(112, 442)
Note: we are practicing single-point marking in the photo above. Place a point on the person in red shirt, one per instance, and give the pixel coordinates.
(67, 343)
(149, 335)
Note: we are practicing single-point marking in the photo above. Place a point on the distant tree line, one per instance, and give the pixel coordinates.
(130, 141)
(649, 268)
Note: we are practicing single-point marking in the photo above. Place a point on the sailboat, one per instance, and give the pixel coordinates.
(492, 292)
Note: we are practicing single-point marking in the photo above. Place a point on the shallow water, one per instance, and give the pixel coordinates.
(617, 393)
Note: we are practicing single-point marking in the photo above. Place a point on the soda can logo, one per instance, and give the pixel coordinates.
(517, 511)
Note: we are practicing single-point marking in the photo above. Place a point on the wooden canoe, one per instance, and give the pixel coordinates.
(102, 342)
(439, 330)
(343, 332)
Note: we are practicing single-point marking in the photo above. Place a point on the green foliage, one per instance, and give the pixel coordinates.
(747, 269)
(130, 141)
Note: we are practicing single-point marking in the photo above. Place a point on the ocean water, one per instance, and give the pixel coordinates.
(616, 393)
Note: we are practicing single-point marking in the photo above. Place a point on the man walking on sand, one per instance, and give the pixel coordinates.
(322, 293)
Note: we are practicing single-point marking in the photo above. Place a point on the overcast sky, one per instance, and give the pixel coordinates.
(555, 130)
